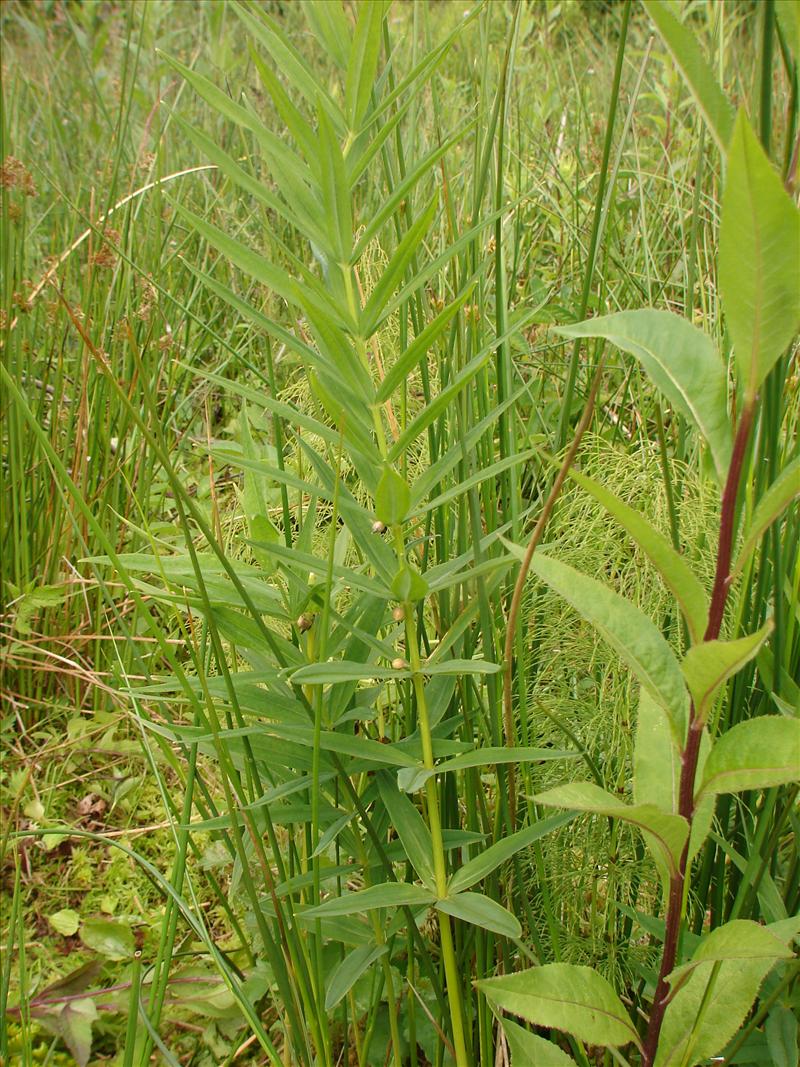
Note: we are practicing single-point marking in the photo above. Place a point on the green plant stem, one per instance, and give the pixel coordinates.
(691, 751)
(435, 824)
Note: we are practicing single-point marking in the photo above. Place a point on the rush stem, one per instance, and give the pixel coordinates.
(691, 751)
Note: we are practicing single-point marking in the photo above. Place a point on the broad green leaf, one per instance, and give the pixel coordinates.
(685, 49)
(410, 826)
(657, 772)
(673, 568)
(772, 504)
(392, 497)
(363, 62)
(759, 258)
(682, 363)
(634, 636)
(109, 937)
(418, 348)
(72, 1022)
(664, 832)
(740, 939)
(345, 975)
(755, 754)
(387, 895)
(565, 997)
(395, 269)
(782, 1030)
(475, 870)
(481, 911)
(717, 993)
(530, 1050)
(65, 922)
(710, 664)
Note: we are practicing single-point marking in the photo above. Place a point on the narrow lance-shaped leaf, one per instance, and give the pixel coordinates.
(345, 975)
(482, 911)
(628, 630)
(335, 190)
(665, 833)
(363, 61)
(759, 259)
(565, 997)
(770, 507)
(710, 664)
(685, 48)
(682, 363)
(410, 826)
(386, 895)
(673, 568)
(756, 754)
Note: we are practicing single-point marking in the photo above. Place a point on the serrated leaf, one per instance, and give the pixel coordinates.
(530, 1050)
(682, 43)
(770, 507)
(475, 870)
(673, 568)
(707, 666)
(410, 826)
(682, 363)
(565, 997)
(392, 497)
(759, 258)
(481, 911)
(664, 832)
(719, 987)
(756, 754)
(386, 895)
(345, 975)
(634, 636)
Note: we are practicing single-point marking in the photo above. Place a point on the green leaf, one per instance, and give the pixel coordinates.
(788, 13)
(393, 274)
(664, 832)
(756, 754)
(530, 1050)
(410, 826)
(335, 190)
(481, 911)
(710, 664)
(345, 975)
(408, 585)
(418, 348)
(673, 568)
(682, 363)
(635, 637)
(657, 772)
(65, 922)
(475, 870)
(363, 62)
(565, 997)
(698, 75)
(109, 937)
(759, 258)
(392, 497)
(781, 1030)
(73, 1024)
(386, 895)
(775, 500)
(717, 991)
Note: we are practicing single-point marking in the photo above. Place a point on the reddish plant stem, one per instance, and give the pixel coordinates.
(691, 751)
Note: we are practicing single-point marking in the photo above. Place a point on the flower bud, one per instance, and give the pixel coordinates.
(399, 664)
(305, 622)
